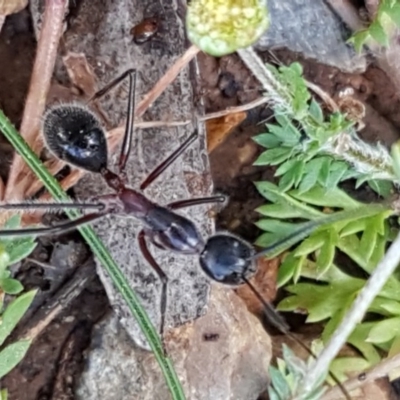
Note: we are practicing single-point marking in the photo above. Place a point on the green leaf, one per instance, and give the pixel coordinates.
(342, 367)
(268, 238)
(385, 330)
(359, 39)
(20, 249)
(279, 383)
(311, 173)
(353, 227)
(319, 196)
(273, 156)
(311, 244)
(12, 355)
(358, 340)
(394, 14)
(338, 169)
(325, 171)
(381, 187)
(384, 306)
(13, 222)
(369, 237)
(272, 193)
(316, 111)
(336, 319)
(267, 140)
(4, 262)
(286, 166)
(327, 253)
(378, 33)
(287, 124)
(293, 174)
(280, 210)
(289, 268)
(287, 181)
(376, 256)
(288, 134)
(11, 286)
(320, 301)
(3, 394)
(14, 312)
(272, 394)
(276, 226)
(297, 68)
(295, 365)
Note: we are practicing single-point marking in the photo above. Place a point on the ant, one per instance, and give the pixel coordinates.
(75, 135)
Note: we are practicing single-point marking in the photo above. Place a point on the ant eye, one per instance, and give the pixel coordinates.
(75, 135)
(225, 258)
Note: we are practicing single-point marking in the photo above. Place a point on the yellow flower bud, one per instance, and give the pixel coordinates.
(220, 27)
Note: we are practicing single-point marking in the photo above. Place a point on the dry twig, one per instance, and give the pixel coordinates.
(2, 20)
(58, 303)
(379, 371)
(39, 87)
(348, 13)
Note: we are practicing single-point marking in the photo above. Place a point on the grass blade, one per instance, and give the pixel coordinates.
(101, 253)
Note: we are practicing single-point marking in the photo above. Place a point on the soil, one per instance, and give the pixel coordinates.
(53, 363)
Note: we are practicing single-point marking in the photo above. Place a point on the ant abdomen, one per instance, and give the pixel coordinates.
(75, 135)
(228, 259)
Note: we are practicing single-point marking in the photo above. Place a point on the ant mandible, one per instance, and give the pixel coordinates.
(75, 135)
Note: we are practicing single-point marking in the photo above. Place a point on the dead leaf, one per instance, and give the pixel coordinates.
(218, 129)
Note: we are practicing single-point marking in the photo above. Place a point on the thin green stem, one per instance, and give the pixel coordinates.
(101, 253)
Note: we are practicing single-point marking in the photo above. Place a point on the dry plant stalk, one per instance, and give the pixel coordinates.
(381, 370)
(2, 20)
(39, 87)
(12, 6)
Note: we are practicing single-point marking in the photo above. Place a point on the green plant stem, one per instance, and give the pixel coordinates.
(360, 306)
(275, 90)
(374, 161)
(101, 253)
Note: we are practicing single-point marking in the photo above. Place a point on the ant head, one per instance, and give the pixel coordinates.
(75, 135)
(227, 259)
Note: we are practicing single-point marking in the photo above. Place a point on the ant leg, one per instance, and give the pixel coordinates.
(61, 228)
(112, 84)
(161, 274)
(127, 142)
(195, 202)
(50, 207)
(167, 162)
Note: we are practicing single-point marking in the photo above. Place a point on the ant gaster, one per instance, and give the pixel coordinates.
(75, 135)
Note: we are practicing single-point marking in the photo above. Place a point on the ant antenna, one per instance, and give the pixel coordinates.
(275, 318)
(51, 207)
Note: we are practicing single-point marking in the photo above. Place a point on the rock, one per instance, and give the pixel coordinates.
(223, 355)
(313, 29)
(101, 31)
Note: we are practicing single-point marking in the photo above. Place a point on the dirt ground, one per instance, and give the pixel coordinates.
(54, 362)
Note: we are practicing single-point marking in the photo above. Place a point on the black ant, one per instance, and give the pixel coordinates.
(75, 135)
